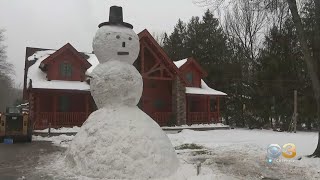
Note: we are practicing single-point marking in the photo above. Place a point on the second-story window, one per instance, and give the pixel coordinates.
(189, 77)
(65, 70)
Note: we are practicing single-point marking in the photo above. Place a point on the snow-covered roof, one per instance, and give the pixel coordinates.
(40, 81)
(204, 89)
(180, 62)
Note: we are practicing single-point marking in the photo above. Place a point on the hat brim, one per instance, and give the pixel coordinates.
(118, 23)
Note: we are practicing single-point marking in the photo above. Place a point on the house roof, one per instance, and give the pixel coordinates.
(182, 64)
(155, 46)
(204, 89)
(37, 78)
(70, 48)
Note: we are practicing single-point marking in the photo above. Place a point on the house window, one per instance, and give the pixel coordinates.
(64, 104)
(159, 104)
(189, 77)
(66, 70)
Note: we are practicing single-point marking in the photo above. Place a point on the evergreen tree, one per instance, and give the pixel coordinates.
(174, 45)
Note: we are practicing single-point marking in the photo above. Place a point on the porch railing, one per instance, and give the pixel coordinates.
(59, 119)
(202, 117)
(162, 118)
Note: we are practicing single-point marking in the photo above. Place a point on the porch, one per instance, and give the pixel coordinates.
(200, 109)
(203, 109)
(162, 118)
(60, 119)
(61, 109)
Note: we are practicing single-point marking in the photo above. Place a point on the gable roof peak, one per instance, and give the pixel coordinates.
(64, 48)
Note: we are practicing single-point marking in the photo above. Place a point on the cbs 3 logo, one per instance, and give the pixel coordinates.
(288, 150)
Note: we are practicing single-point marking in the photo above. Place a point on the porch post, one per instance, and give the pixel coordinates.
(54, 109)
(218, 108)
(142, 59)
(37, 108)
(187, 109)
(87, 105)
(208, 106)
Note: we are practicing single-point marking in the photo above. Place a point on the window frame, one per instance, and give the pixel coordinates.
(189, 77)
(65, 70)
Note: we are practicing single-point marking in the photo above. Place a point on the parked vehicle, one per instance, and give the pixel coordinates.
(15, 124)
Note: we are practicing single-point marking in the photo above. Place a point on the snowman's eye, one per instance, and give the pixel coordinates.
(118, 37)
(130, 38)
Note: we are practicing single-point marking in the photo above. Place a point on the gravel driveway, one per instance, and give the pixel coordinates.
(17, 161)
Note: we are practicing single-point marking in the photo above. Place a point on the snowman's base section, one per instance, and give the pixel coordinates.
(121, 143)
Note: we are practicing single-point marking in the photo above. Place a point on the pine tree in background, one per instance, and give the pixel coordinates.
(175, 43)
(193, 37)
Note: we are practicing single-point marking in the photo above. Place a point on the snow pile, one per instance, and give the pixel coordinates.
(121, 143)
(60, 130)
(61, 140)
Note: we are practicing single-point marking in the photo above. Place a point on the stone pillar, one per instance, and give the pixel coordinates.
(179, 102)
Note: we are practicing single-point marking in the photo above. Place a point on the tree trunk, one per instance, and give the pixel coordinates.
(311, 64)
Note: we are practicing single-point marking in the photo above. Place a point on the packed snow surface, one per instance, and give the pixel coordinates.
(116, 42)
(121, 143)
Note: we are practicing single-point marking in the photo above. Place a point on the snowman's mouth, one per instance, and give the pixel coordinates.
(123, 53)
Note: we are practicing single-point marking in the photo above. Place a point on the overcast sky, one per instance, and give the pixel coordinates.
(53, 23)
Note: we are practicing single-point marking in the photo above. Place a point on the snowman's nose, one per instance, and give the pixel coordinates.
(123, 44)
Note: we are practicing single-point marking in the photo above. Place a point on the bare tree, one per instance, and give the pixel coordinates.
(245, 23)
(5, 67)
(6, 70)
(309, 59)
(159, 37)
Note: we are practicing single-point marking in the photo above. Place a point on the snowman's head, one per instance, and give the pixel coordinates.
(115, 42)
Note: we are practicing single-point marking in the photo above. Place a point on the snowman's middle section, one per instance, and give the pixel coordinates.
(115, 83)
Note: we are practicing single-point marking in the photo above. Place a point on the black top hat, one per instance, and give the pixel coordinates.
(116, 18)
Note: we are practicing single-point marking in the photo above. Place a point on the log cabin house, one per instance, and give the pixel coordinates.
(174, 93)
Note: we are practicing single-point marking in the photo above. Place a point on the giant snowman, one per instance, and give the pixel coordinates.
(119, 141)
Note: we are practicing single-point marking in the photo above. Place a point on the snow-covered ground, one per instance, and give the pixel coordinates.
(195, 126)
(75, 129)
(224, 154)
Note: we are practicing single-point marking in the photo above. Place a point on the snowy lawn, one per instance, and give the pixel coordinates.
(227, 154)
(74, 129)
